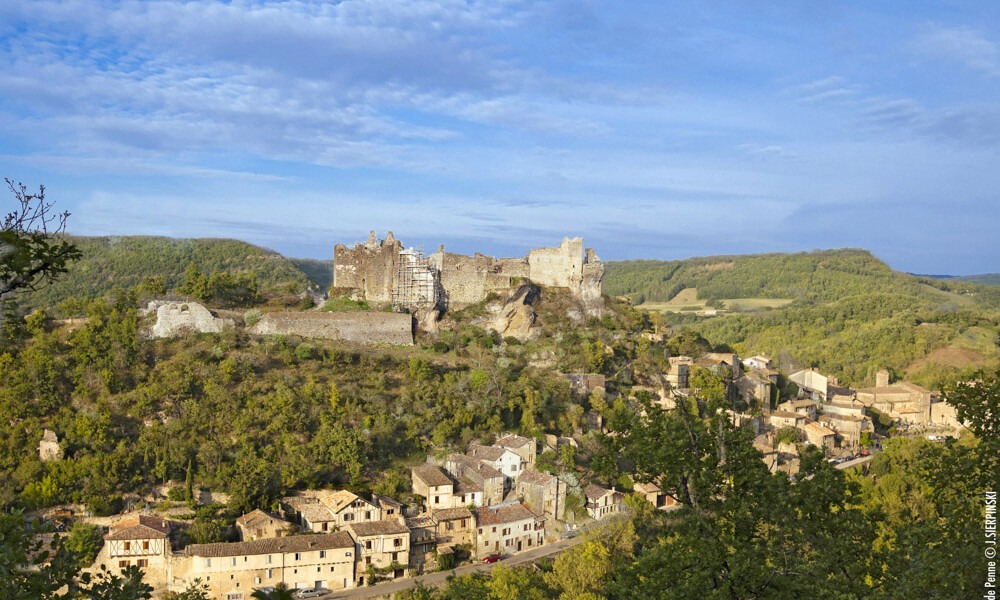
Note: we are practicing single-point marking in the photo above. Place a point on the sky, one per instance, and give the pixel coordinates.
(652, 129)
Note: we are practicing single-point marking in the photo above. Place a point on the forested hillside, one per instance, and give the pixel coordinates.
(125, 262)
(850, 315)
(819, 276)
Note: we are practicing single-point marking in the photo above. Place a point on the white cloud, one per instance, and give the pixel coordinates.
(963, 45)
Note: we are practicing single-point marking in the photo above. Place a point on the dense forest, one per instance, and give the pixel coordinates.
(160, 264)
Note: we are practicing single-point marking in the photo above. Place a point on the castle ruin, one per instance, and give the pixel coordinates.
(385, 272)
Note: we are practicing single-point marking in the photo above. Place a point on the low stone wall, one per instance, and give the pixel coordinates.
(352, 326)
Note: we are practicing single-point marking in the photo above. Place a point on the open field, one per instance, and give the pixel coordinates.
(687, 301)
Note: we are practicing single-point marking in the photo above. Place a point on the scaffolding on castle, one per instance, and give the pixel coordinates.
(416, 281)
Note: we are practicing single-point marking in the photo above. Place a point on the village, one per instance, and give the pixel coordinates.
(492, 501)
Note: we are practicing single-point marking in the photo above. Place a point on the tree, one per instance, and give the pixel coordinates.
(280, 592)
(32, 251)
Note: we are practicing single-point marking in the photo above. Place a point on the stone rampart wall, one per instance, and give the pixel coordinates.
(558, 267)
(174, 317)
(353, 326)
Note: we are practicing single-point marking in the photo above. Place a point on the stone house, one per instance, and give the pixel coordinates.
(811, 383)
(754, 388)
(526, 448)
(313, 516)
(490, 480)
(654, 495)
(391, 509)
(423, 541)
(141, 541)
(784, 418)
(258, 524)
(722, 363)
(233, 570)
(803, 407)
(501, 459)
(680, 367)
(431, 482)
(507, 528)
(455, 526)
(905, 401)
(848, 427)
(819, 436)
(347, 507)
(758, 362)
(544, 494)
(601, 501)
(383, 545)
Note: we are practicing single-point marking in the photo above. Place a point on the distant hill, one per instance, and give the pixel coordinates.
(124, 262)
(319, 272)
(820, 275)
(984, 279)
(849, 313)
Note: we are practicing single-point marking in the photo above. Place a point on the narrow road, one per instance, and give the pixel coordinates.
(386, 590)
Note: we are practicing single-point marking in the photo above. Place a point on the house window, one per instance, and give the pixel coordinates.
(465, 523)
(494, 530)
(268, 559)
(397, 542)
(128, 545)
(368, 544)
(348, 517)
(326, 527)
(270, 573)
(449, 525)
(368, 515)
(232, 561)
(298, 556)
(145, 544)
(437, 499)
(122, 564)
(368, 560)
(322, 553)
(394, 556)
(142, 562)
(256, 580)
(208, 563)
(234, 596)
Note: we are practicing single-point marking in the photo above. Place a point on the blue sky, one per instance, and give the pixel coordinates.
(652, 129)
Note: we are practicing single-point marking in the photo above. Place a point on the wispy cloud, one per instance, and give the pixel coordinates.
(966, 46)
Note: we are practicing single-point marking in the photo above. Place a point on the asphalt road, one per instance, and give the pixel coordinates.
(386, 590)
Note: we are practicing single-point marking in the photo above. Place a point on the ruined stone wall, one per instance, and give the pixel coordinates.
(558, 267)
(353, 326)
(370, 268)
(468, 279)
(174, 317)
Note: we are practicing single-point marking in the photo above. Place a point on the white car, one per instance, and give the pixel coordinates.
(312, 592)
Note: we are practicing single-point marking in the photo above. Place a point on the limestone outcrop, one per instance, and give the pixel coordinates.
(172, 318)
(516, 317)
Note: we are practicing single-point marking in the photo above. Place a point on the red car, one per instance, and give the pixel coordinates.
(492, 558)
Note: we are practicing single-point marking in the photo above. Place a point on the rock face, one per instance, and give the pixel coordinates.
(174, 317)
(516, 318)
(353, 326)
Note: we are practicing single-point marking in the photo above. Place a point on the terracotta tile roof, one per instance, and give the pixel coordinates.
(432, 475)
(450, 514)
(784, 414)
(513, 441)
(594, 492)
(377, 528)
(338, 500)
(818, 429)
(420, 522)
(496, 515)
(294, 543)
(315, 513)
(483, 470)
(143, 527)
(464, 486)
(647, 488)
(533, 477)
(489, 453)
(257, 517)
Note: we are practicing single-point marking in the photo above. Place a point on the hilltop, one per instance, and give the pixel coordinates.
(125, 262)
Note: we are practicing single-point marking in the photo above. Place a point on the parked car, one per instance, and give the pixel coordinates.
(492, 558)
(312, 592)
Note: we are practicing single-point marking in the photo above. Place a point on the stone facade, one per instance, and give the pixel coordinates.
(384, 272)
(353, 326)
